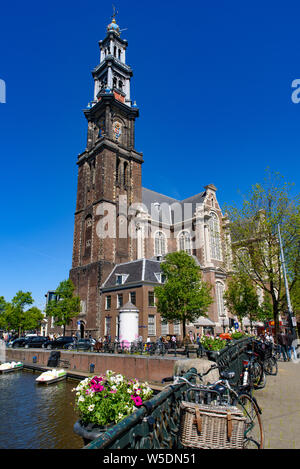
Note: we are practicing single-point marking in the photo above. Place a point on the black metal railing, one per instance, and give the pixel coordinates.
(140, 348)
(156, 424)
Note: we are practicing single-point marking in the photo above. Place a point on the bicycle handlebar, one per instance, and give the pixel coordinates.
(200, 375)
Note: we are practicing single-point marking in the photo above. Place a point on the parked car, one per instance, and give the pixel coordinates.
(81, 344)
(60, 342)
(16, 343)
(36, 341)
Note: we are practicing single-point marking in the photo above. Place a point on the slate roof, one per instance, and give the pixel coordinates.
(159, 206)
(136, 272)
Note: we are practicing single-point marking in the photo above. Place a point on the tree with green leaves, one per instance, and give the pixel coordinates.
(242, 300)
(3, 306)
(66, 306)
(184, 296)
(16, 315)
(255, 241)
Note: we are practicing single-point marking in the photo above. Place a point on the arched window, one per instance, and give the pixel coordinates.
(125, 174)
(214, 237)
(185, 242)
(220, 299)
(88, 235)
(160, 244)
(118, 171)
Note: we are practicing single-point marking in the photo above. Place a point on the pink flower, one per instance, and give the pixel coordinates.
(137, 400)
(97, 387)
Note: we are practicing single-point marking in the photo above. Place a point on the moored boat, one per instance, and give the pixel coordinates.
(9, 367)
(51, 376)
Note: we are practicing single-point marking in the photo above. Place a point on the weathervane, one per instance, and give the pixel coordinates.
(115, 12)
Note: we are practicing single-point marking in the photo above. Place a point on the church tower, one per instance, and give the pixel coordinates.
(109, 179)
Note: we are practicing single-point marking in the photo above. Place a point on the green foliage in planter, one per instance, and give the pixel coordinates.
(212, 343)
(109, 398)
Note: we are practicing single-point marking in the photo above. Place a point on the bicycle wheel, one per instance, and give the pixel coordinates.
(258, 376)
(254, 435)
(271, 366)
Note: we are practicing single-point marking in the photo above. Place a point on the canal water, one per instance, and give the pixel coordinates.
(34, 416)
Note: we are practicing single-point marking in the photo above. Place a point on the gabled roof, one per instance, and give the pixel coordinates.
(167, 209)
(135, 272)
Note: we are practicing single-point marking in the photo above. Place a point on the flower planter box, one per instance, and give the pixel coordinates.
(90, 431)
(103, 401)
(212, 355)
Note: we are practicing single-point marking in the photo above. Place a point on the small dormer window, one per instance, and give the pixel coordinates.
(121, 279)
(119, 52)
(161, 278)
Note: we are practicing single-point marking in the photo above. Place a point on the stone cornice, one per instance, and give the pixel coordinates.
(109, 99)
(105, 143)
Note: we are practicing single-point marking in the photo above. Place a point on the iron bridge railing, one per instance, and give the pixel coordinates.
(155, 425)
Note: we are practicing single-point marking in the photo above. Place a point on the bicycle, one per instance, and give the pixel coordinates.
(266, 356)
(270, 363)
(253, 374)
(221, 393)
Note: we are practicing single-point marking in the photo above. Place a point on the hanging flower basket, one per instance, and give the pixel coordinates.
(103, 401)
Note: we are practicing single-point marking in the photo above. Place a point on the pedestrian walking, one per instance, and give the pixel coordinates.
(283, 342)
(291, 345)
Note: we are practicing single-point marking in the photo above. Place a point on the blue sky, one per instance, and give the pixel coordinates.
(213, 84)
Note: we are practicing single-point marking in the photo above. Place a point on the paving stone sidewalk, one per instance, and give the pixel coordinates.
(280, 404)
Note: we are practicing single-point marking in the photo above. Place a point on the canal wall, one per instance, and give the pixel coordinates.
(144, 368)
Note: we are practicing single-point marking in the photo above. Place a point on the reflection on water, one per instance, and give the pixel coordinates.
(34, 416)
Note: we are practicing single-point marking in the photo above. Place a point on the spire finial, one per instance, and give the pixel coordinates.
(113, 27)
(115, 12)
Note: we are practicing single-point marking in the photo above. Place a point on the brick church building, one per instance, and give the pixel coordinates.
(122, 230)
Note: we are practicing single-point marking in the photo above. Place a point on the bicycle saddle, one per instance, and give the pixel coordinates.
(227, 374)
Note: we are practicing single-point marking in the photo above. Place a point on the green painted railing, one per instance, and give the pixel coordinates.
(231, 357)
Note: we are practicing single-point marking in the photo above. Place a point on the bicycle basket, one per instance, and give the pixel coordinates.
(262, 349)
(211, 427)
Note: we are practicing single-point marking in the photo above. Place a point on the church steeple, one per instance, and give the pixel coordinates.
(113, 73)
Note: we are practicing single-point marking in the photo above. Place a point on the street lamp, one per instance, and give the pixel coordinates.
(292, 319)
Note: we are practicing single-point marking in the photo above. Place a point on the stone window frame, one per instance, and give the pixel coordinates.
(108, 303)
(160, 244)
(151, 325)
(215, 237)
(220, 289)
(183, 236)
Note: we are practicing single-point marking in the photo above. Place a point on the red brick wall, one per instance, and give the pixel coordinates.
(143, 368)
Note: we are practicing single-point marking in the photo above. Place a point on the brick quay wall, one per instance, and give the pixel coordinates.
(144, 368)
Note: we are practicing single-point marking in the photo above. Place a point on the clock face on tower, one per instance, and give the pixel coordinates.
(117, 130)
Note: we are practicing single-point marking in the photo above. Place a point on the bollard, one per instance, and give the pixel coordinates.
(92, 368)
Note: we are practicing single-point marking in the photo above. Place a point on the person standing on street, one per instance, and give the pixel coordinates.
(282, 341)
(290, 345)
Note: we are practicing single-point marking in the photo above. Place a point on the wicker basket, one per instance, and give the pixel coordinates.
(211, 427)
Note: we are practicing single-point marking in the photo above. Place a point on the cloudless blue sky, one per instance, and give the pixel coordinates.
(213, 84)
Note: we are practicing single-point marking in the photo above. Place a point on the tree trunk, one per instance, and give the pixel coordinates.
(183, 329)
(276, 318)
